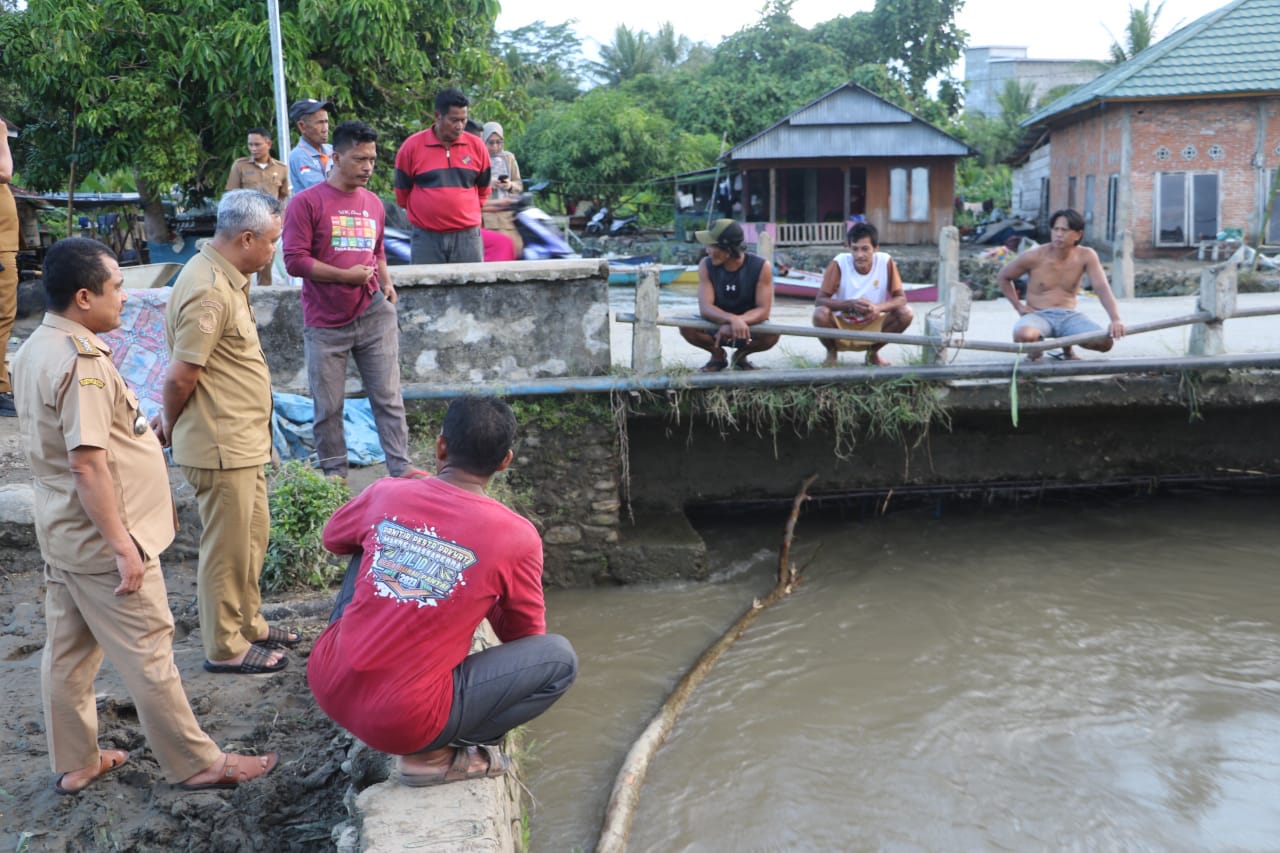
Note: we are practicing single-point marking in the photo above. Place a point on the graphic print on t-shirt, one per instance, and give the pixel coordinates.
(418, 567)
(352, 231)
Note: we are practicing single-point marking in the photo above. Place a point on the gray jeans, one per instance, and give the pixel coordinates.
(373, 339)
(446, 247)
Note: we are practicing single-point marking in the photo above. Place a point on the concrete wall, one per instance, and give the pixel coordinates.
(468, 323)
(1027, 183)
(1068, 432)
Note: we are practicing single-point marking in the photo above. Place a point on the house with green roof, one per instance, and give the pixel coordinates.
(1176, 145)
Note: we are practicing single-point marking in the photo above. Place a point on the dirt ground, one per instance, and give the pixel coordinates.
(293, 809)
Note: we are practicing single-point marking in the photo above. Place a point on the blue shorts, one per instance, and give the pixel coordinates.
(1057, 323)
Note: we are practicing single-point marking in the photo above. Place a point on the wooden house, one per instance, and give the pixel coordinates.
(848, 153)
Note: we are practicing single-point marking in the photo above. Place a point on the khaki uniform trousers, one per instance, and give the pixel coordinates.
(86, 619)
(8, 311)
(237, 522)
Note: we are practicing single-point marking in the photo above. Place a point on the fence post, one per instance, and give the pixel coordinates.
(1122, 283)
(1218, 297)
(646, 340)
(948, 260)
(954, 322)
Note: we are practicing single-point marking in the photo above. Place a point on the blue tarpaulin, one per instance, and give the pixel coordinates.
(293, 438)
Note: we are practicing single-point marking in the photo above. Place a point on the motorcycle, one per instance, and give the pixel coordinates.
(542, 240)
(604, 223)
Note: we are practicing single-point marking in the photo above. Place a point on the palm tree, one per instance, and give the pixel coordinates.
(1140, 32)
(631, 54)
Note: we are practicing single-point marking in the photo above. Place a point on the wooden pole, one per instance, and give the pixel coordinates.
(625, 798)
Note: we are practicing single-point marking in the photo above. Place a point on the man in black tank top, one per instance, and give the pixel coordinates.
(735, 289)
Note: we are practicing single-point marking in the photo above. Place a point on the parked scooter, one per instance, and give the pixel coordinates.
(542, 240)
(605, 223)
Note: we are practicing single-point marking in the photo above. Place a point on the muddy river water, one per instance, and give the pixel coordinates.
(1092, 675)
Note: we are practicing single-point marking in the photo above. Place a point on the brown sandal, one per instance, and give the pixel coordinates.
(460, 769)
(108, 760)
(232, 775)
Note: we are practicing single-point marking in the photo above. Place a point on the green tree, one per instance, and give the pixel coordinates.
(996, 137)
(755, 77)
(1139, 32)
(916, 41)
(546, 60)
(166, 88)
(630, 54)
(608, 145)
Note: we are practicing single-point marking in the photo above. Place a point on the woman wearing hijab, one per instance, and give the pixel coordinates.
(505, 186)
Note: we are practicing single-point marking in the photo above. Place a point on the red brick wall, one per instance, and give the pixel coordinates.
(1094, 145)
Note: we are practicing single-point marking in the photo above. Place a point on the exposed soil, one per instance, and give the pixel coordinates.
(293, 809)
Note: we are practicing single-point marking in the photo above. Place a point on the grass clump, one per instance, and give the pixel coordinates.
(900, 410)
(301, 500)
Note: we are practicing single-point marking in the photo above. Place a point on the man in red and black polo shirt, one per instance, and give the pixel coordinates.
(442, 181)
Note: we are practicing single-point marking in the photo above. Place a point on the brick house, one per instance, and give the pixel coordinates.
(1175, 145)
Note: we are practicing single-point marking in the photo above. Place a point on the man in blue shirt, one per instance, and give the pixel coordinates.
(312, 158)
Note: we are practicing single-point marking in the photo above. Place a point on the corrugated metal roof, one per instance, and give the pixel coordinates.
(913, 139)
(849, 121)
(1233, 50)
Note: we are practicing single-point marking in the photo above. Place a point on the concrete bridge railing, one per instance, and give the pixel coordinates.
(1215, 305)
(468, 323)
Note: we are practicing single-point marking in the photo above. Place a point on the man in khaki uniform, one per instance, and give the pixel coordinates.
(260, 171)
(8, 269)
(217, 415)
(103, 515)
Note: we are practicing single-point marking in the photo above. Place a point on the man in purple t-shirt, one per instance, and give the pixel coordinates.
(333, 241)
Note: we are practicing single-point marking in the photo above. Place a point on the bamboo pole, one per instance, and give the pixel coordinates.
(625, 797)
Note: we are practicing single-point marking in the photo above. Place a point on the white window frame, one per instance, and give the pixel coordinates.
(909, 194)
(1188, 209)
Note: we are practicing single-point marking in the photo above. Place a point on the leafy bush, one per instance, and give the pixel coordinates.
(301, 500)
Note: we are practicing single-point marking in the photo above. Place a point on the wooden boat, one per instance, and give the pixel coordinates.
(800, 284)
(626, 273)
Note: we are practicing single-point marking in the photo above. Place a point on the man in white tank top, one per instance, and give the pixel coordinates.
(861, 291)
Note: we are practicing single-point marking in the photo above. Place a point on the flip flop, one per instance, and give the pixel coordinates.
(255, 663)
(108, 760)
(459, 770)
(232, 775)
(713, 366)
(743, 364)
(279, 638)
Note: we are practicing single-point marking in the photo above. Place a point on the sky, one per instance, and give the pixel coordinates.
(1072, 30)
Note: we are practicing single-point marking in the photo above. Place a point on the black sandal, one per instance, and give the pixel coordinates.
(279, 638)
(256, 662)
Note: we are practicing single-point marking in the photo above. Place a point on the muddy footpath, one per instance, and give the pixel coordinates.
(295, 808)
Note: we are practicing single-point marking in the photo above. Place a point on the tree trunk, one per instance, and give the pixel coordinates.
(155, 227)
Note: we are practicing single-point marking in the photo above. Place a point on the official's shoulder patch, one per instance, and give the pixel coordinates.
(94, 381)
(206, 322)
(85, 347)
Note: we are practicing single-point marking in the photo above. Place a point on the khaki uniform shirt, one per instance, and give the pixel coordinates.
(69, 395)
(9, 229)
(209, 322)
(248, 175)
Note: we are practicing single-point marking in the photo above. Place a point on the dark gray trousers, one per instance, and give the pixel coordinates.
(446, 247)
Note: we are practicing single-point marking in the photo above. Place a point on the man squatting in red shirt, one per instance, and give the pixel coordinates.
(433, 557)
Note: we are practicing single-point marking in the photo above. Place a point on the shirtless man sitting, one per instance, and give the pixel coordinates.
(1054, 272)
(861, 292)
